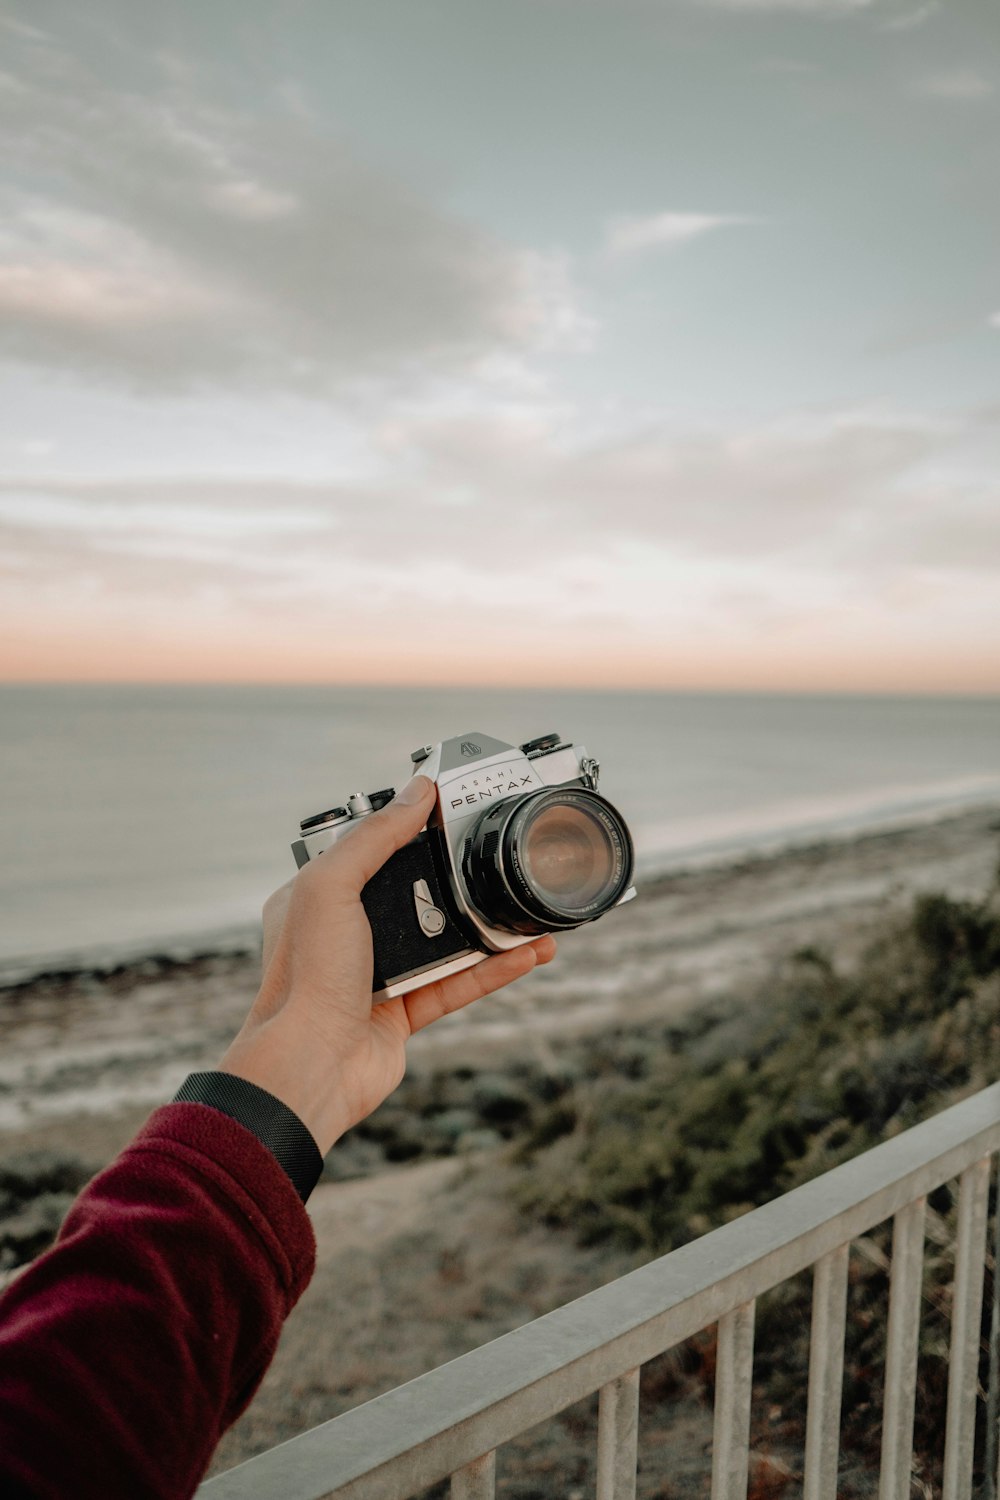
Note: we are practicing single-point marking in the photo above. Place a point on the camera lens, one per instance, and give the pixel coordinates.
(549, 860)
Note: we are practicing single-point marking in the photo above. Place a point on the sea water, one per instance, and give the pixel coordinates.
(140, 819)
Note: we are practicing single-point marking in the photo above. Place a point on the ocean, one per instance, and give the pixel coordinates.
(156, 819)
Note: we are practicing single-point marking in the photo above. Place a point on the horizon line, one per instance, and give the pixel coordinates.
(633, 690)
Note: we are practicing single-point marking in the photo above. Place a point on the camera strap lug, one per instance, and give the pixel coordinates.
(590, 770)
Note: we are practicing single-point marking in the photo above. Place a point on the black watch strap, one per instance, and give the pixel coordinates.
(275, 1125)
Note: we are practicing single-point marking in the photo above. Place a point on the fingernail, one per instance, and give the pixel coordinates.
(414, 791)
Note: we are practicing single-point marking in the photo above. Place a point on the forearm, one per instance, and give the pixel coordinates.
(129, 1348)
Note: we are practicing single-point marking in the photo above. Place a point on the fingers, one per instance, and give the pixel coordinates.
(446, 995)
(366, 847)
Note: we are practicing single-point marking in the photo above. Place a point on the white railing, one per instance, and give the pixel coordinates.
(452, 1420)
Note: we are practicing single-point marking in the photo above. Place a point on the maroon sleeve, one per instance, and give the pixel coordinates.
(129, 1347)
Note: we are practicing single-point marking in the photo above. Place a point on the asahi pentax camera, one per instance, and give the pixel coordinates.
(519, 843)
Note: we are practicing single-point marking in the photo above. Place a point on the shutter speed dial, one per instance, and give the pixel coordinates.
(544, 745)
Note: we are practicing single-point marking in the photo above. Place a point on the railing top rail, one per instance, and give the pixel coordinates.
(418, 1433)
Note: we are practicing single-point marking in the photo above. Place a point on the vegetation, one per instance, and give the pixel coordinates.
(36, 1189)
(661, 1143)
(673, 1133)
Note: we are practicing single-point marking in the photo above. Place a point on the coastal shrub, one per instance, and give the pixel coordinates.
(452, 1111)
(817, 1067)
(31, 1228)
(29, 1173)
(959, 937)
(36, 1190)
(500, 1100)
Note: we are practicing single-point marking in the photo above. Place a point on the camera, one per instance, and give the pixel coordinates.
(519, 843)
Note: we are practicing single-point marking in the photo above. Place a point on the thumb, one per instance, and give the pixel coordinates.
(367, 846)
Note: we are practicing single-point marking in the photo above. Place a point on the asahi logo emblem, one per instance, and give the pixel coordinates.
(468, 748)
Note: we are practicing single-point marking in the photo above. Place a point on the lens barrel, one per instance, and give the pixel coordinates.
(548, 861)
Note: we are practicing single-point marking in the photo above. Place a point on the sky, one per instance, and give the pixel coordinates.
(629, 343)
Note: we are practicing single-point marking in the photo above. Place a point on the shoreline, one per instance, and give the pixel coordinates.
(96, 1049)
(158, 957)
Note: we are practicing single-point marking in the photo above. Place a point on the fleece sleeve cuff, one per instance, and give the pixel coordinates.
(248, 1173)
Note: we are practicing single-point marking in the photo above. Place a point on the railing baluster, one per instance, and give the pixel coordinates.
(826, 1374)
(902, 1345)
(967, 1303)
(618, 1437)
(476, 1481)
(733, 1389)
(993, 1389)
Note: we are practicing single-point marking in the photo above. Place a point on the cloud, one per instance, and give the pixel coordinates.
(802, 541)
(794, 67)
(627, 236)
(964, 85)
(821, 493)
(798, 7)
(548, 315)
(107, 519)
(60, 295)
(993, 321)
(910, 20)
(163, 237)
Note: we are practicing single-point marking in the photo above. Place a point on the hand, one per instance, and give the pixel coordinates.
(313, 1038)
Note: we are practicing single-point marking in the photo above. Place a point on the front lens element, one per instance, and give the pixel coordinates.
(568, 856)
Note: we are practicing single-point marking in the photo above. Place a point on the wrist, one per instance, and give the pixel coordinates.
(301, 1078)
